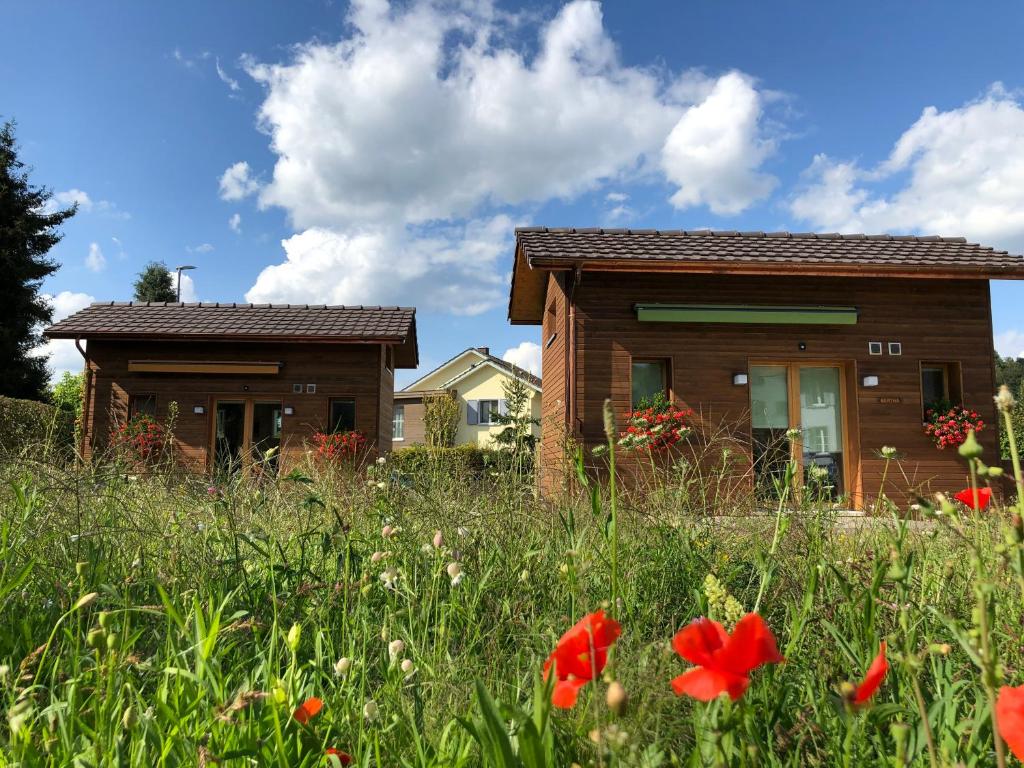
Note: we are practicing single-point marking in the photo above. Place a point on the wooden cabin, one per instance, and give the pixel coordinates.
(243, 378)
(847, 337)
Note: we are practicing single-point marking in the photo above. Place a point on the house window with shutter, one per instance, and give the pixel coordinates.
(484, 412)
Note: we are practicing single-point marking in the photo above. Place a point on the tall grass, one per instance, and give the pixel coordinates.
(159, 619)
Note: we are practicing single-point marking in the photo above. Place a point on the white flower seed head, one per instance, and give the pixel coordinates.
(377, 556)
(438, 540)
(371, 711)
(408, 667)
(342, 666)
(381, 460)
(1004, 400)
(387, 531)
(395, 648)
(390, 578)
(454, 571)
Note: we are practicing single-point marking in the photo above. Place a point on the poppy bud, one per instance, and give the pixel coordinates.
(616, 698)
(81, 568)
(113, 641)
(970, 448)
(294, 634)
(104, 619)
(96, 639)
(130, 718)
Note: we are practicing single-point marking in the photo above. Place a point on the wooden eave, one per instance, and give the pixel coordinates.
(526, 300)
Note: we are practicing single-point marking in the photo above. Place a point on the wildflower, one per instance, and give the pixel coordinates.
(616, 697)
(724, 662)
(390, 578)
(793, 434)
(888, 452)
(376, 557)
(211, 490)
(1004, 400)
(343, 758)
(1010, 718)
(307, 710)
(395, 648)
(370, 710)
(342, 666)
(438, 541)
(580, 655)
(524, 575)
(381, 461)
(462, 531)
(381, 486)
(408, 668)
(294, 634)
(455, 573)
(978, 503)
(388, 531)
(873, 679)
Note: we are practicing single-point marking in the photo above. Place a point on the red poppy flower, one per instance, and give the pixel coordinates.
(966, 496)
(343, 757)
(724, 662)
(1010, 718)
(873, 679)
(580, 655)
(308, 709)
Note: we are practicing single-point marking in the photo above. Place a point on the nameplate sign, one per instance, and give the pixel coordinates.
(890, 400)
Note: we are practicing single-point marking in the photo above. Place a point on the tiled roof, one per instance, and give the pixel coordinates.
(542, 244)
(240, 321)
(515, 370)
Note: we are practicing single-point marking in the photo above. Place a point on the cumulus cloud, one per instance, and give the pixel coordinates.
(201, 248)
(958, 172)
(237, 182)
(95, 261)
(526, 355)
(1010, 343)
(235, 223)
(86, 204)
(447, 269)
(188, 288)
(63, 356)
(434, 112)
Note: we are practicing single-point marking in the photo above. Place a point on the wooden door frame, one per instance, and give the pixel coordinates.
(248, 403)
(848, 422)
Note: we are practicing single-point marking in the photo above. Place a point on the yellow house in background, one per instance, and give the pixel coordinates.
(476, 379)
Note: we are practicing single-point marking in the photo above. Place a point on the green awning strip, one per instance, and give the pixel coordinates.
(745, 313)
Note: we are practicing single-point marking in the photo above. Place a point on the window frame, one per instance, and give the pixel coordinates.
(133, 399)
(952, 381)
(480, 412)
(666, 376)
(331, 424)
(395, 411)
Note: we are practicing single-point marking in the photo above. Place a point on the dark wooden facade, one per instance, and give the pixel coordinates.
(358, 372)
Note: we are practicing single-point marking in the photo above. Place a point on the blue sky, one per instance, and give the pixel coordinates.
(325, 153)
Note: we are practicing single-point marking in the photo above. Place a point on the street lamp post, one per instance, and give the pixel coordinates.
(179, 270)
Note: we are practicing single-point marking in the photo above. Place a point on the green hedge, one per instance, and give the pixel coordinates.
(419, 458)
(36, 428)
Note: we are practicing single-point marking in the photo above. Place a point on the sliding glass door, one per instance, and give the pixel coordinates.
(807, 397)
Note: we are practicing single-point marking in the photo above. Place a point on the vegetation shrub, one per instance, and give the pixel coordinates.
(35, 428)
(458, 458)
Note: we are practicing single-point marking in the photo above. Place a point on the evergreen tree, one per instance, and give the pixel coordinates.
(28, 230)
(155, 283)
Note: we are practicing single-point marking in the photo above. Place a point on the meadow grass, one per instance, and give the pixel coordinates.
(158, 619)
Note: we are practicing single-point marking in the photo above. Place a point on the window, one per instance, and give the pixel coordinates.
(142, 405)
(343, 415)
(940, 385)
(398, 423)
(489, 410)
(649, 378)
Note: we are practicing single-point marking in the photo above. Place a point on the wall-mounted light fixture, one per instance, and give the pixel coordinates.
(869, 381)
(289, 411)
(739, 379)
(802, 346)
(198, 410)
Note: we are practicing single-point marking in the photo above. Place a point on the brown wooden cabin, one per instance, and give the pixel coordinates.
(245, 377)
(845, 336)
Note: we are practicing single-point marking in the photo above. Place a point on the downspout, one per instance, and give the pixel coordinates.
(86, 395)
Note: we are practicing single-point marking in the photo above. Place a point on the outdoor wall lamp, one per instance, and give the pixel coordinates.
(870, 381)
(288, 410)
(198, 410)
(739, 379)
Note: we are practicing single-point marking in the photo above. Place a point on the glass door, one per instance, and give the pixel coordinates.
(229, 435)
(265, 437)
(808, 397)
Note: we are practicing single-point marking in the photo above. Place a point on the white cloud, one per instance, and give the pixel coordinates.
(225, 78)
(70, 197)
(397, 122)
(527, 356)
(959, 172)
(428, 114)
(1010, 343)
(715, 150)
(86, 204)
(95, 261)
(235, 222)
(201, 248)
(62, 353)
(188, 288)
(447, 269)
(237, 182)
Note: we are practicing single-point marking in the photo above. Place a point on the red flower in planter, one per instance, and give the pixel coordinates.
(724, 662)
(307, 710)
(581, 655)
(949, 428)
(338, 445)
(979, 503)
(873, 679)
(1010, 718)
